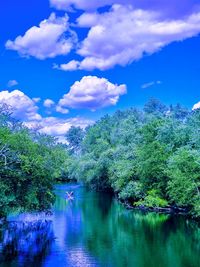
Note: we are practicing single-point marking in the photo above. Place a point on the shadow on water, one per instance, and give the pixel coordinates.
(95, 230)
(25, 242)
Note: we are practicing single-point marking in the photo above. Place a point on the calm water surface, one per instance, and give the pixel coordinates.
(95, 230)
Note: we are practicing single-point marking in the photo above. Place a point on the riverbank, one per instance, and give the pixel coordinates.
(172, 210)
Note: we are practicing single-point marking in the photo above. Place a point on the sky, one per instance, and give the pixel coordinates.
(69, 62)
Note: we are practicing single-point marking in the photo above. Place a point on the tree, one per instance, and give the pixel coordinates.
(29, 165)
(154, 106)
(179, 112)
(184, 173)
(149, 157)
(74, 137)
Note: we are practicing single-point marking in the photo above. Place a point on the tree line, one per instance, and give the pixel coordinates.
(149, 157)
(30, 162)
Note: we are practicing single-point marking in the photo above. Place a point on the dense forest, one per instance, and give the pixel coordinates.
(29, 164)
(148, 158)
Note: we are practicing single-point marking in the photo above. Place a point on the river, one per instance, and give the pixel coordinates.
(95, 230)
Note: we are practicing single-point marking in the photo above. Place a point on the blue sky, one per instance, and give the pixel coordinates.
(87, 59)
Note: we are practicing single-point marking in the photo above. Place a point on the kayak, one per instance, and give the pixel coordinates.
(70, 195)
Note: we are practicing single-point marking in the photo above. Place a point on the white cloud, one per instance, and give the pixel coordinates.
(62, 110)
(36, 99)
(88, 19)
(12, 83)
(58, 127)
(23, 107)
(125, 34)
(48, 103)
(70, 66)
(80, 4)
(167, 8)
(118, 36)
(52, 38)
(92, 93)
(150, 84)
(196, 106)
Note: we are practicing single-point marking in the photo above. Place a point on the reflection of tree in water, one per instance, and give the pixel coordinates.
(119, 237)
(25, 241)
(104, 202)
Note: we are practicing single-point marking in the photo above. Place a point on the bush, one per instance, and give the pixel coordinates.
(133, 190)
(152, 200)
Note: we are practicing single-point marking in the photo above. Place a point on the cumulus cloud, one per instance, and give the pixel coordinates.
(52, 38)
(150, 84)
(168, 8)
(70, 66)
(92, 93)
(79, 4)
(121, 34)
(196, 106)
(125, 34)
(48, 103)
(58, 127)
(12, 83)
(23, 107)
(62, 110)
(36, 99)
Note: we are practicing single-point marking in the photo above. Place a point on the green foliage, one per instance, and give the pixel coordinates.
(29, 165)
(74, 137)
(154, 106)
(122, 167)
(151, 157)
(152, 200)
(184, 173)
(132, 191)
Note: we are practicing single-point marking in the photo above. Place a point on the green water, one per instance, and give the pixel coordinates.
(95, 230)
